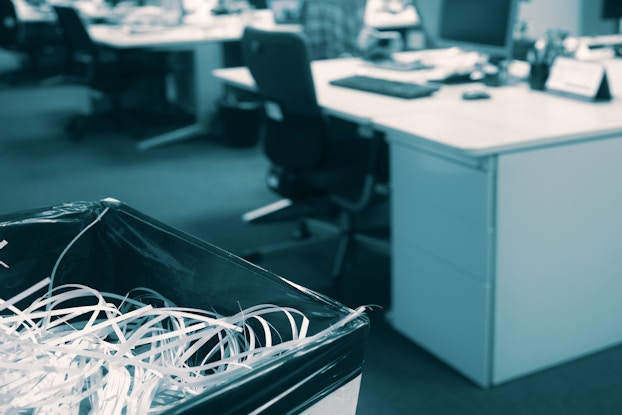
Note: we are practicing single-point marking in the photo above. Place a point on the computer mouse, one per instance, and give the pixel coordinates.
(475, 94)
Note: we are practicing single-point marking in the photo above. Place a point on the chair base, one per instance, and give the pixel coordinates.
(287, 209)
(79, 125)
(311, 231)
(307, 233)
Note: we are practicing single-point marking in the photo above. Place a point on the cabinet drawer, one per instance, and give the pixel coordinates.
(449, 238)
(448, 186)
(443, 310)
(443, 208)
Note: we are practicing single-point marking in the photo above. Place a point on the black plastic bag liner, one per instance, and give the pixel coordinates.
(126, 249)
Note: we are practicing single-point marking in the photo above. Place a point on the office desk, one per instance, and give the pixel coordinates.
(506, 222)
(204, 38)
(357, 106)
(506, 226)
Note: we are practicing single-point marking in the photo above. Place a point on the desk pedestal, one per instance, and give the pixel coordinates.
(508, 264)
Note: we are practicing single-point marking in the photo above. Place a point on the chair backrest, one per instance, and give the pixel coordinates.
(294, 133)
(9, 31)
(80, 45)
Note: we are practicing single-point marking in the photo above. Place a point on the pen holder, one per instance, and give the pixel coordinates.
(538, 75)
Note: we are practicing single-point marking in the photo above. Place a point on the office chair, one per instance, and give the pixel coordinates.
(27, 45)
(321, 167)
(10, 30)
(103, 70)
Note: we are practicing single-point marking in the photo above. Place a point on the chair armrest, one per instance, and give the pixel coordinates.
(370, 181)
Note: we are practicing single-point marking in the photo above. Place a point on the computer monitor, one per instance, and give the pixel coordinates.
(612, 9)
(484, 26)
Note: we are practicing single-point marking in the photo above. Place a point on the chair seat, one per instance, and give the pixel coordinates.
(323, 167)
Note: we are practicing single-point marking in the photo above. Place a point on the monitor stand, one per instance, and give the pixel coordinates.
(496, 73)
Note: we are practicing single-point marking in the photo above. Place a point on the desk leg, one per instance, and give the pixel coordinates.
(207, 92)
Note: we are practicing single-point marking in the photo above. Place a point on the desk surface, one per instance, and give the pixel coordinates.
(350, 104)
(126, 37)
(514, 118)
(194, 30)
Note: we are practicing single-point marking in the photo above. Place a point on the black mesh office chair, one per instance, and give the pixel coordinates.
(104, 70)
(317, 163)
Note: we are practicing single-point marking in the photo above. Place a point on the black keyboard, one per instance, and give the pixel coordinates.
(388, 87)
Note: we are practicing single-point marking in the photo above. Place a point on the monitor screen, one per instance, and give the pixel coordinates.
(485, 26)
(612, 9)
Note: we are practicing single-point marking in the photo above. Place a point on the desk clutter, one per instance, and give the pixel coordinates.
(144, 16)
(566, 65)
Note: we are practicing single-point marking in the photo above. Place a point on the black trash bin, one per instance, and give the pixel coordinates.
(240, 120)
(111, 247)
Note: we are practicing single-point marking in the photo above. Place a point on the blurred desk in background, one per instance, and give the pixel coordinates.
(203, 37)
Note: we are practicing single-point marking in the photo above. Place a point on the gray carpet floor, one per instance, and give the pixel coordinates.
(202, 186)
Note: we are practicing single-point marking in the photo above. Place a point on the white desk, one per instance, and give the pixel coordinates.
(356, 106)
(201, 33)
(507, 222)
(203, 37)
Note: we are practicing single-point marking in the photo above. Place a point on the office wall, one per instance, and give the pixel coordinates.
(593, 24)
(428, 11)
(578, 17)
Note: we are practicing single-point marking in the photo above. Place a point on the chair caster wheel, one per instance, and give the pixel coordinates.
(302, 232)
(75, 128)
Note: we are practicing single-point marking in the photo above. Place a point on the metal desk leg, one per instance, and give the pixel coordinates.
(208, 90)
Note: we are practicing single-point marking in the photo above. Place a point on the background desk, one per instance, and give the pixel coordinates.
(506, 221)
(204, 38)
(203, 35)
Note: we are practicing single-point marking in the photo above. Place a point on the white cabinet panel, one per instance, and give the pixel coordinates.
(559, 267)
(447, 237)
(443, 208)
(507, 272)
(442, 246)
(442, 310)
(456, 189)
